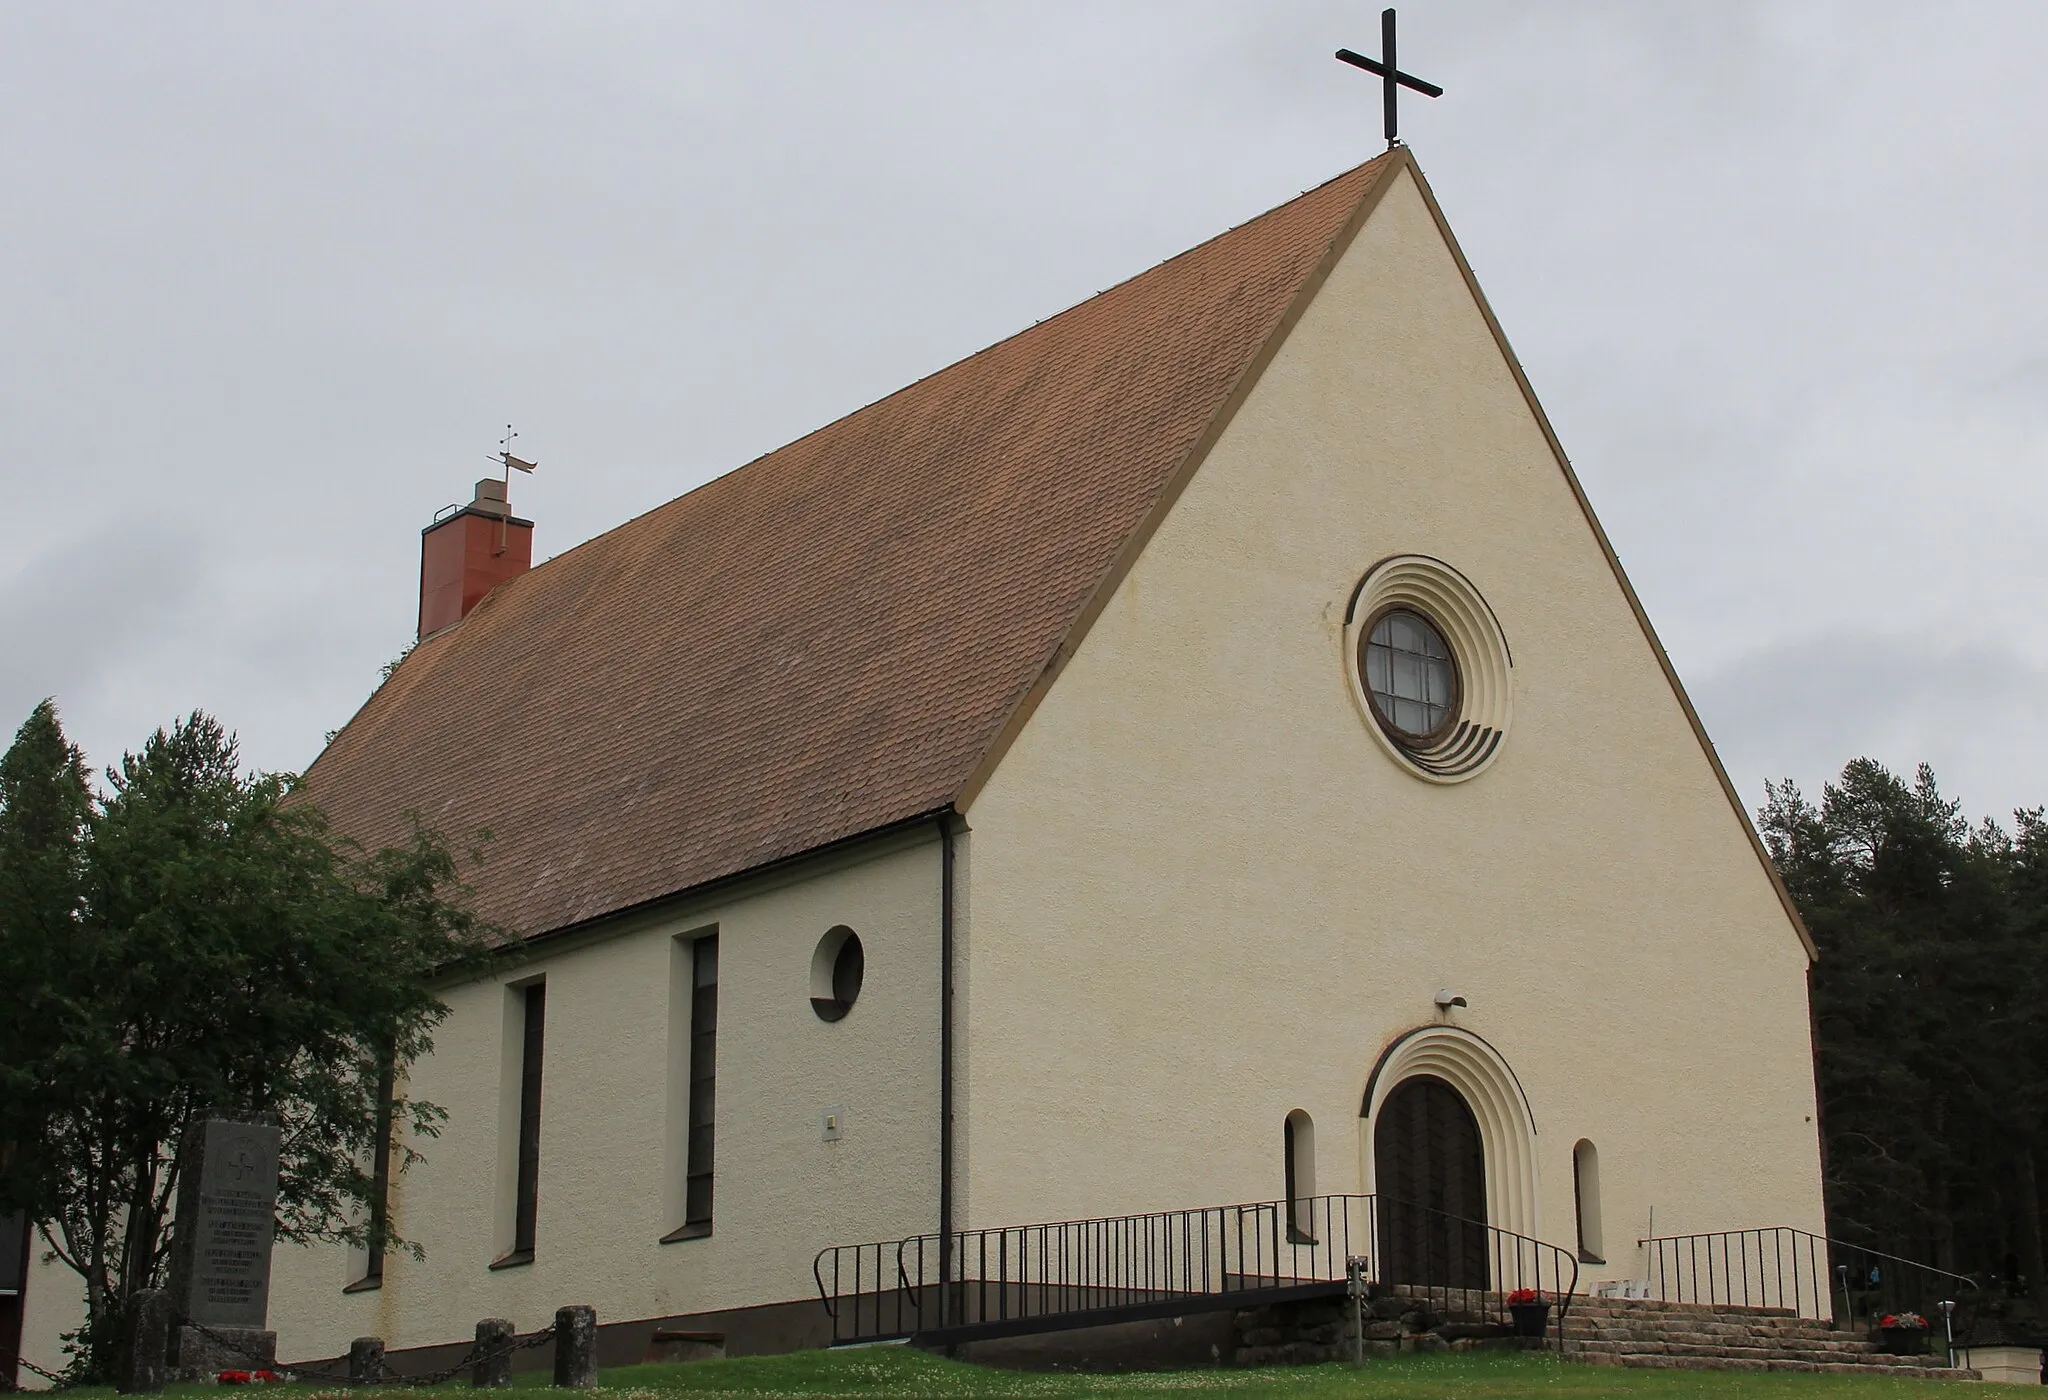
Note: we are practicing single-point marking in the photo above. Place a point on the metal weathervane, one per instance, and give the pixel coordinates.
(505, 458)
(1393, 79)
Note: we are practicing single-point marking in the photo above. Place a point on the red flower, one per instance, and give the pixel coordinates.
(1523, 1297)
(268, 1377)
(234, 1377)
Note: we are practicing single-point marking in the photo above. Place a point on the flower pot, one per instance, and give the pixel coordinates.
(1903, 1341)
(1530, 1318)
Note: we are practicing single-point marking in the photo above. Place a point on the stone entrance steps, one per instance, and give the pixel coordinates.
(1690, 1336)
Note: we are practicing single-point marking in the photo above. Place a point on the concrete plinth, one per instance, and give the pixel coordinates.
(668, 1345)
(202, 1355)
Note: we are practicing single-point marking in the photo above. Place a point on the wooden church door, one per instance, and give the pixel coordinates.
(1430, 1169)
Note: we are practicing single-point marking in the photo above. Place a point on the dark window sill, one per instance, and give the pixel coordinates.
(513, 1260)
(1587, 1256)
(369, 1283)
(1295, 1236)
(701, 1230)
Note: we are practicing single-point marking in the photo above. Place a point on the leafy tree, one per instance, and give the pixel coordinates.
(194, 941)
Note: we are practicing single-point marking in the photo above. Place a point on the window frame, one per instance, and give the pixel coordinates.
(839, 940)
(1453, 708)
(1299, 1170)
(1592, 1243)
(533, 1013)
(700, 1085)
(380, 1182)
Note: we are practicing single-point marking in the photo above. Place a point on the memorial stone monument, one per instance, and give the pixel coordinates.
(220, 1248)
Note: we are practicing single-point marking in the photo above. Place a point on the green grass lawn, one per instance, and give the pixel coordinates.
(902, 1371)
(879, 1371)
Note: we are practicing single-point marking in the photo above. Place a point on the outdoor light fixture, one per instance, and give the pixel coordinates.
(1446, 999)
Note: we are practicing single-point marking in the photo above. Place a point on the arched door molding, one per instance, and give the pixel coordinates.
(1507, 1126)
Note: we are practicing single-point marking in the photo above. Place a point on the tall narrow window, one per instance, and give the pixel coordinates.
(1298, 1150)
(380, 1186)
(380, 1175)
(533, 1007)
(1586, 1194)
(529, 1119)
(703, 1082)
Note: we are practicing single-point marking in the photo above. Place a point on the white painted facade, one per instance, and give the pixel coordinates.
(1194, 894)
(611, 1107)
(1254, 899)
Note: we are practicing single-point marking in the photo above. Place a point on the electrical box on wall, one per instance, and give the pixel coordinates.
(835, 1122)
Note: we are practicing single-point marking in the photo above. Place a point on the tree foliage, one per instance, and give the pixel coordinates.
(189, 941)
(1931, 1037)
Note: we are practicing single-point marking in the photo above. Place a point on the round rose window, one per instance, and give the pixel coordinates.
(1429, 668)
(1410, 674)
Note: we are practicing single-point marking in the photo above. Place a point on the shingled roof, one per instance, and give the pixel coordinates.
(828, 640)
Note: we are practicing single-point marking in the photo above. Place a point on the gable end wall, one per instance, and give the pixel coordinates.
(1204, 896)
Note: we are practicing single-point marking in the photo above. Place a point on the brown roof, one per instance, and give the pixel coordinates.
(831, 638)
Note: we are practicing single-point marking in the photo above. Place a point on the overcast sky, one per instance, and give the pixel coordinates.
(273, 278)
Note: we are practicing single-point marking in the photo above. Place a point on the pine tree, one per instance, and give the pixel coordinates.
(45, 803)
(1930, 1036)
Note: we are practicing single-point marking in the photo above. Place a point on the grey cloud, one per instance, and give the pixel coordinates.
(98, 606)
(281, 272)
(1804, 707)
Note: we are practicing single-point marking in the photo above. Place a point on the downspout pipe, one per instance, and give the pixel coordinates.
(945, 821)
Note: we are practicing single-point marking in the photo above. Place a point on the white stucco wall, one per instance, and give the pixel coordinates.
(606, 1199)
(53, 1305)
(1203, 895)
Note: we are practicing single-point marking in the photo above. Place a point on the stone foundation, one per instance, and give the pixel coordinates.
(669, 1345)
(1324, 1329)
(200, 1356)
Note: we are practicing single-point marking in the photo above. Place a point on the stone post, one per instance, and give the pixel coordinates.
(149, 1342)
(366, 1361)
(494, 1353)
(576, 1347)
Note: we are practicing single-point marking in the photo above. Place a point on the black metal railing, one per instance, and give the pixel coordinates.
(1465, 1269)
(1017, 1279)
(1870, 1284)
(1807, 1274)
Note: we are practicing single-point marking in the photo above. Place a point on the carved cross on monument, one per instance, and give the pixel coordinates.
(1393, 78)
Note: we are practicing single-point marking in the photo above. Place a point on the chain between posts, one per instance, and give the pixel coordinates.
(478, 1351)
(57, 1381)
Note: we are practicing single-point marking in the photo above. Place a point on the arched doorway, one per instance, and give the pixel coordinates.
(1430, 1170)
(1483, 1078)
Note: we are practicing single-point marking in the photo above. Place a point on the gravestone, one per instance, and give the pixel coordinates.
(220, 1248)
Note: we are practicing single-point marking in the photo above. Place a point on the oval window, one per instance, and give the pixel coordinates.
(1428, 667)
(1410, 675)
(837, 968)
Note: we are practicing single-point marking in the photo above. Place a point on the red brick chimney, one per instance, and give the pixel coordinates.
(465, 555)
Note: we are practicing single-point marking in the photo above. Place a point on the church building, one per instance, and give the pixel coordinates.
(1202, 749)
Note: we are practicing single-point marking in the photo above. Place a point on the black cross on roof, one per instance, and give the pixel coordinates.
(1394, 78)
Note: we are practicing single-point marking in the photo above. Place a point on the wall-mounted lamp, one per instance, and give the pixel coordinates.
(1446, 999)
